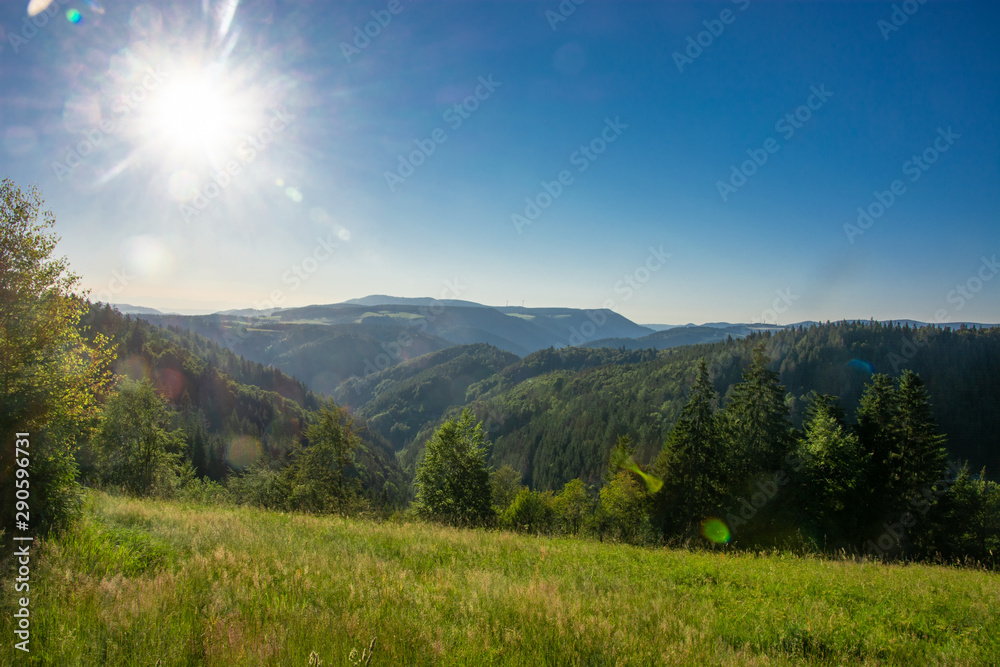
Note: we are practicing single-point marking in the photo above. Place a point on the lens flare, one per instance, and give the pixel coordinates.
(243, 451)
(715, 530)
(861, 365)
(73, 16)
(36, 7)
(654, 484)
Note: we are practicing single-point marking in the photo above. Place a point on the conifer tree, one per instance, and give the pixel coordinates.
(834, 471)
(756, 422)
(692, 462)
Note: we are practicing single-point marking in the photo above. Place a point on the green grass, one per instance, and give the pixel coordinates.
(146, 583)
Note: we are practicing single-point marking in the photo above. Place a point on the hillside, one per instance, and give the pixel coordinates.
(328, 344)
(399, 401)
(146, 582)
(555, 420)
(675, 337)
(232, 412)
(323, 356)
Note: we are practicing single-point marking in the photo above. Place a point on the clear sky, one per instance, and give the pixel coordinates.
(675, 161)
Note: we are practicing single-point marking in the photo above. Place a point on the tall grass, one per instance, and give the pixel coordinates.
(153, 582)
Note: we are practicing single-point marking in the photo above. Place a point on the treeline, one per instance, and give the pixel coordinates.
(562, 424)
(738, 474)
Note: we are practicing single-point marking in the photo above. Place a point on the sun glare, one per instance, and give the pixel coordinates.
(193, 114)
(197, 113)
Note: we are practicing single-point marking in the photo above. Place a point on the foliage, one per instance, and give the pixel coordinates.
(530, 512)
(136, 451)
(261, 485)
(452, 480)
(833, 476)
(622, 513)
(51, 377)
(692, 463)
(756, 422)
(505, 484)
(573, 507)
(316, 475)
(232, 413)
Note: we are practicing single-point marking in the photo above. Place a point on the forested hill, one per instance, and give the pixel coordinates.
(555, 414)
(231, 412)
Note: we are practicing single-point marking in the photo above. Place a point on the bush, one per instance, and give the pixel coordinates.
(531, 512)
(623, 512)
(261, 486)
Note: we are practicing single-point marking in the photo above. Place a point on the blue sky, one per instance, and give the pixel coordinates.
(642, 125)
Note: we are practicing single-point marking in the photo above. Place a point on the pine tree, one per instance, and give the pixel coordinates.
(920, 458)
(692, 462)
(756, 422)
(834, 471)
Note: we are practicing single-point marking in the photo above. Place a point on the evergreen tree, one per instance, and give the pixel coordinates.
(834, 472)
(896, 427)
(920, 458)
(756, 423)
(452, 480)
(876, 418)
(691, 462)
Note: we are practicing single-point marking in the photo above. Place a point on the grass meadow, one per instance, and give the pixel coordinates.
(143, 582)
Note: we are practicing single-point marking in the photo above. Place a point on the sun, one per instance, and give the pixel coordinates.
(195, 114)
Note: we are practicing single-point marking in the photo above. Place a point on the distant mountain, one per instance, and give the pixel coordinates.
(129, 309)
(383, 300)
(326, 344)
(399, 401)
